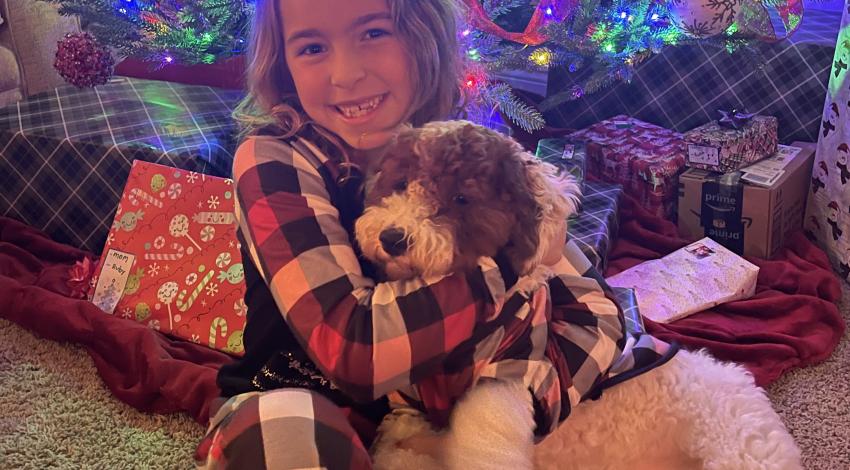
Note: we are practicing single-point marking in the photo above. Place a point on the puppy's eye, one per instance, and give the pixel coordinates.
(460, 199)
(400, 186)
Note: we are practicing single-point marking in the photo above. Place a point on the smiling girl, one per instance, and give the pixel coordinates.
(329, 83)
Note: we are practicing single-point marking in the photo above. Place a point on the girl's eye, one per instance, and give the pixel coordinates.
(312, 49)
(460, 199)
(400, 186)
(375, 33)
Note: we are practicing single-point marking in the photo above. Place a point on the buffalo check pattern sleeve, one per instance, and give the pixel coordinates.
(368, 338)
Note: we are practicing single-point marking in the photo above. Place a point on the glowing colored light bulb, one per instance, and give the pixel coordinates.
(541, 57)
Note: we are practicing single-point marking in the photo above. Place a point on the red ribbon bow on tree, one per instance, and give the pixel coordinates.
(532, 36)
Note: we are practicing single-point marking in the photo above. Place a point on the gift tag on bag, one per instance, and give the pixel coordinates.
(112, 280)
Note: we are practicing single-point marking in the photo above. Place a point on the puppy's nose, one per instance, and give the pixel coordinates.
(393, 241)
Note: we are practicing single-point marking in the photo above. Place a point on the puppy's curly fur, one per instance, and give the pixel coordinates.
(453, 192)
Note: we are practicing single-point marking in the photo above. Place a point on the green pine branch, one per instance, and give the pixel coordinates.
(524, 115)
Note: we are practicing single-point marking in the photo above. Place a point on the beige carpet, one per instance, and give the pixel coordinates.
(815, 404)
(55, 412)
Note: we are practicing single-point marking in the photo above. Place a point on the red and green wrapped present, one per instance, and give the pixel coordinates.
(732, 142)
(644, 158)
(172, 260)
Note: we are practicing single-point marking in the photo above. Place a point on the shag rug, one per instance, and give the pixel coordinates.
(56, 413)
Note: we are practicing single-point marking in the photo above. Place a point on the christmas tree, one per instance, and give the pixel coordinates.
(164, 32)
(599, 41)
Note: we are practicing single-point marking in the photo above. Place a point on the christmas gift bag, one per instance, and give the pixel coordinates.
(644, 158)
(594, 229)
(732, 142)
(827, 219)
(689, 280)
(172, 260)
(567, 156)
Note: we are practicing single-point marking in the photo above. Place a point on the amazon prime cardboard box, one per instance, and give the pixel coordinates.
(750, 211)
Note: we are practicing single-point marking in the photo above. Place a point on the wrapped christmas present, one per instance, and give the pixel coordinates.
(70, 149)
(594, 229)
(732, 142)
(172, 260)
(569, 157)
(644, 158)
(627, 300)
(695, 278)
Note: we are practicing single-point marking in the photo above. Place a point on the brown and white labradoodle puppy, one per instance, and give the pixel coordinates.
(449, 193)
(442, 197)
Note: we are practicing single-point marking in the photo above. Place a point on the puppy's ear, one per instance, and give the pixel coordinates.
(524, 237)
(556, 197)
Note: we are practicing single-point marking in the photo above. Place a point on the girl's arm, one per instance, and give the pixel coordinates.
(368, 338)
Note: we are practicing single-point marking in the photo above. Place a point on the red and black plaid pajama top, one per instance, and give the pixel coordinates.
(318, 320)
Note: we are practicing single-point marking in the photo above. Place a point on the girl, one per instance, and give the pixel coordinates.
(324, 342)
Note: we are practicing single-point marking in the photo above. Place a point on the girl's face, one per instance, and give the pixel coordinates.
(350, 68)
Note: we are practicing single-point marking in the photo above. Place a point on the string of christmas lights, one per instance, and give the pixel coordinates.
(164, 32)
(599, 42)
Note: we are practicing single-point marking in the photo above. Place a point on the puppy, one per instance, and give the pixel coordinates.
(450, 193)
(443, 197)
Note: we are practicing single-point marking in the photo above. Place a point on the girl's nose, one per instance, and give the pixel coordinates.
(347, 70)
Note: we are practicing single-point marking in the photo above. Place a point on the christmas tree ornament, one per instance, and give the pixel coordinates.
(82, 61)
(754, 19)
(703, 18)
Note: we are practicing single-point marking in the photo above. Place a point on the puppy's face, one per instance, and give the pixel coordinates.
(448, 193)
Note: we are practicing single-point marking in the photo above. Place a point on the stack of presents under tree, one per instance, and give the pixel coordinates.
(136, 173)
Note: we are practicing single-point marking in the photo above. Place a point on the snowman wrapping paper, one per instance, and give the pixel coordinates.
(172, 260)
(827, 220)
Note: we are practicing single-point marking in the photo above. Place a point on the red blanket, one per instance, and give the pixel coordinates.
(141, 367)
(792, 321)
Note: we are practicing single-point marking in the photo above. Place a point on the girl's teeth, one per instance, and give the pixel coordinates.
(360, 109)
